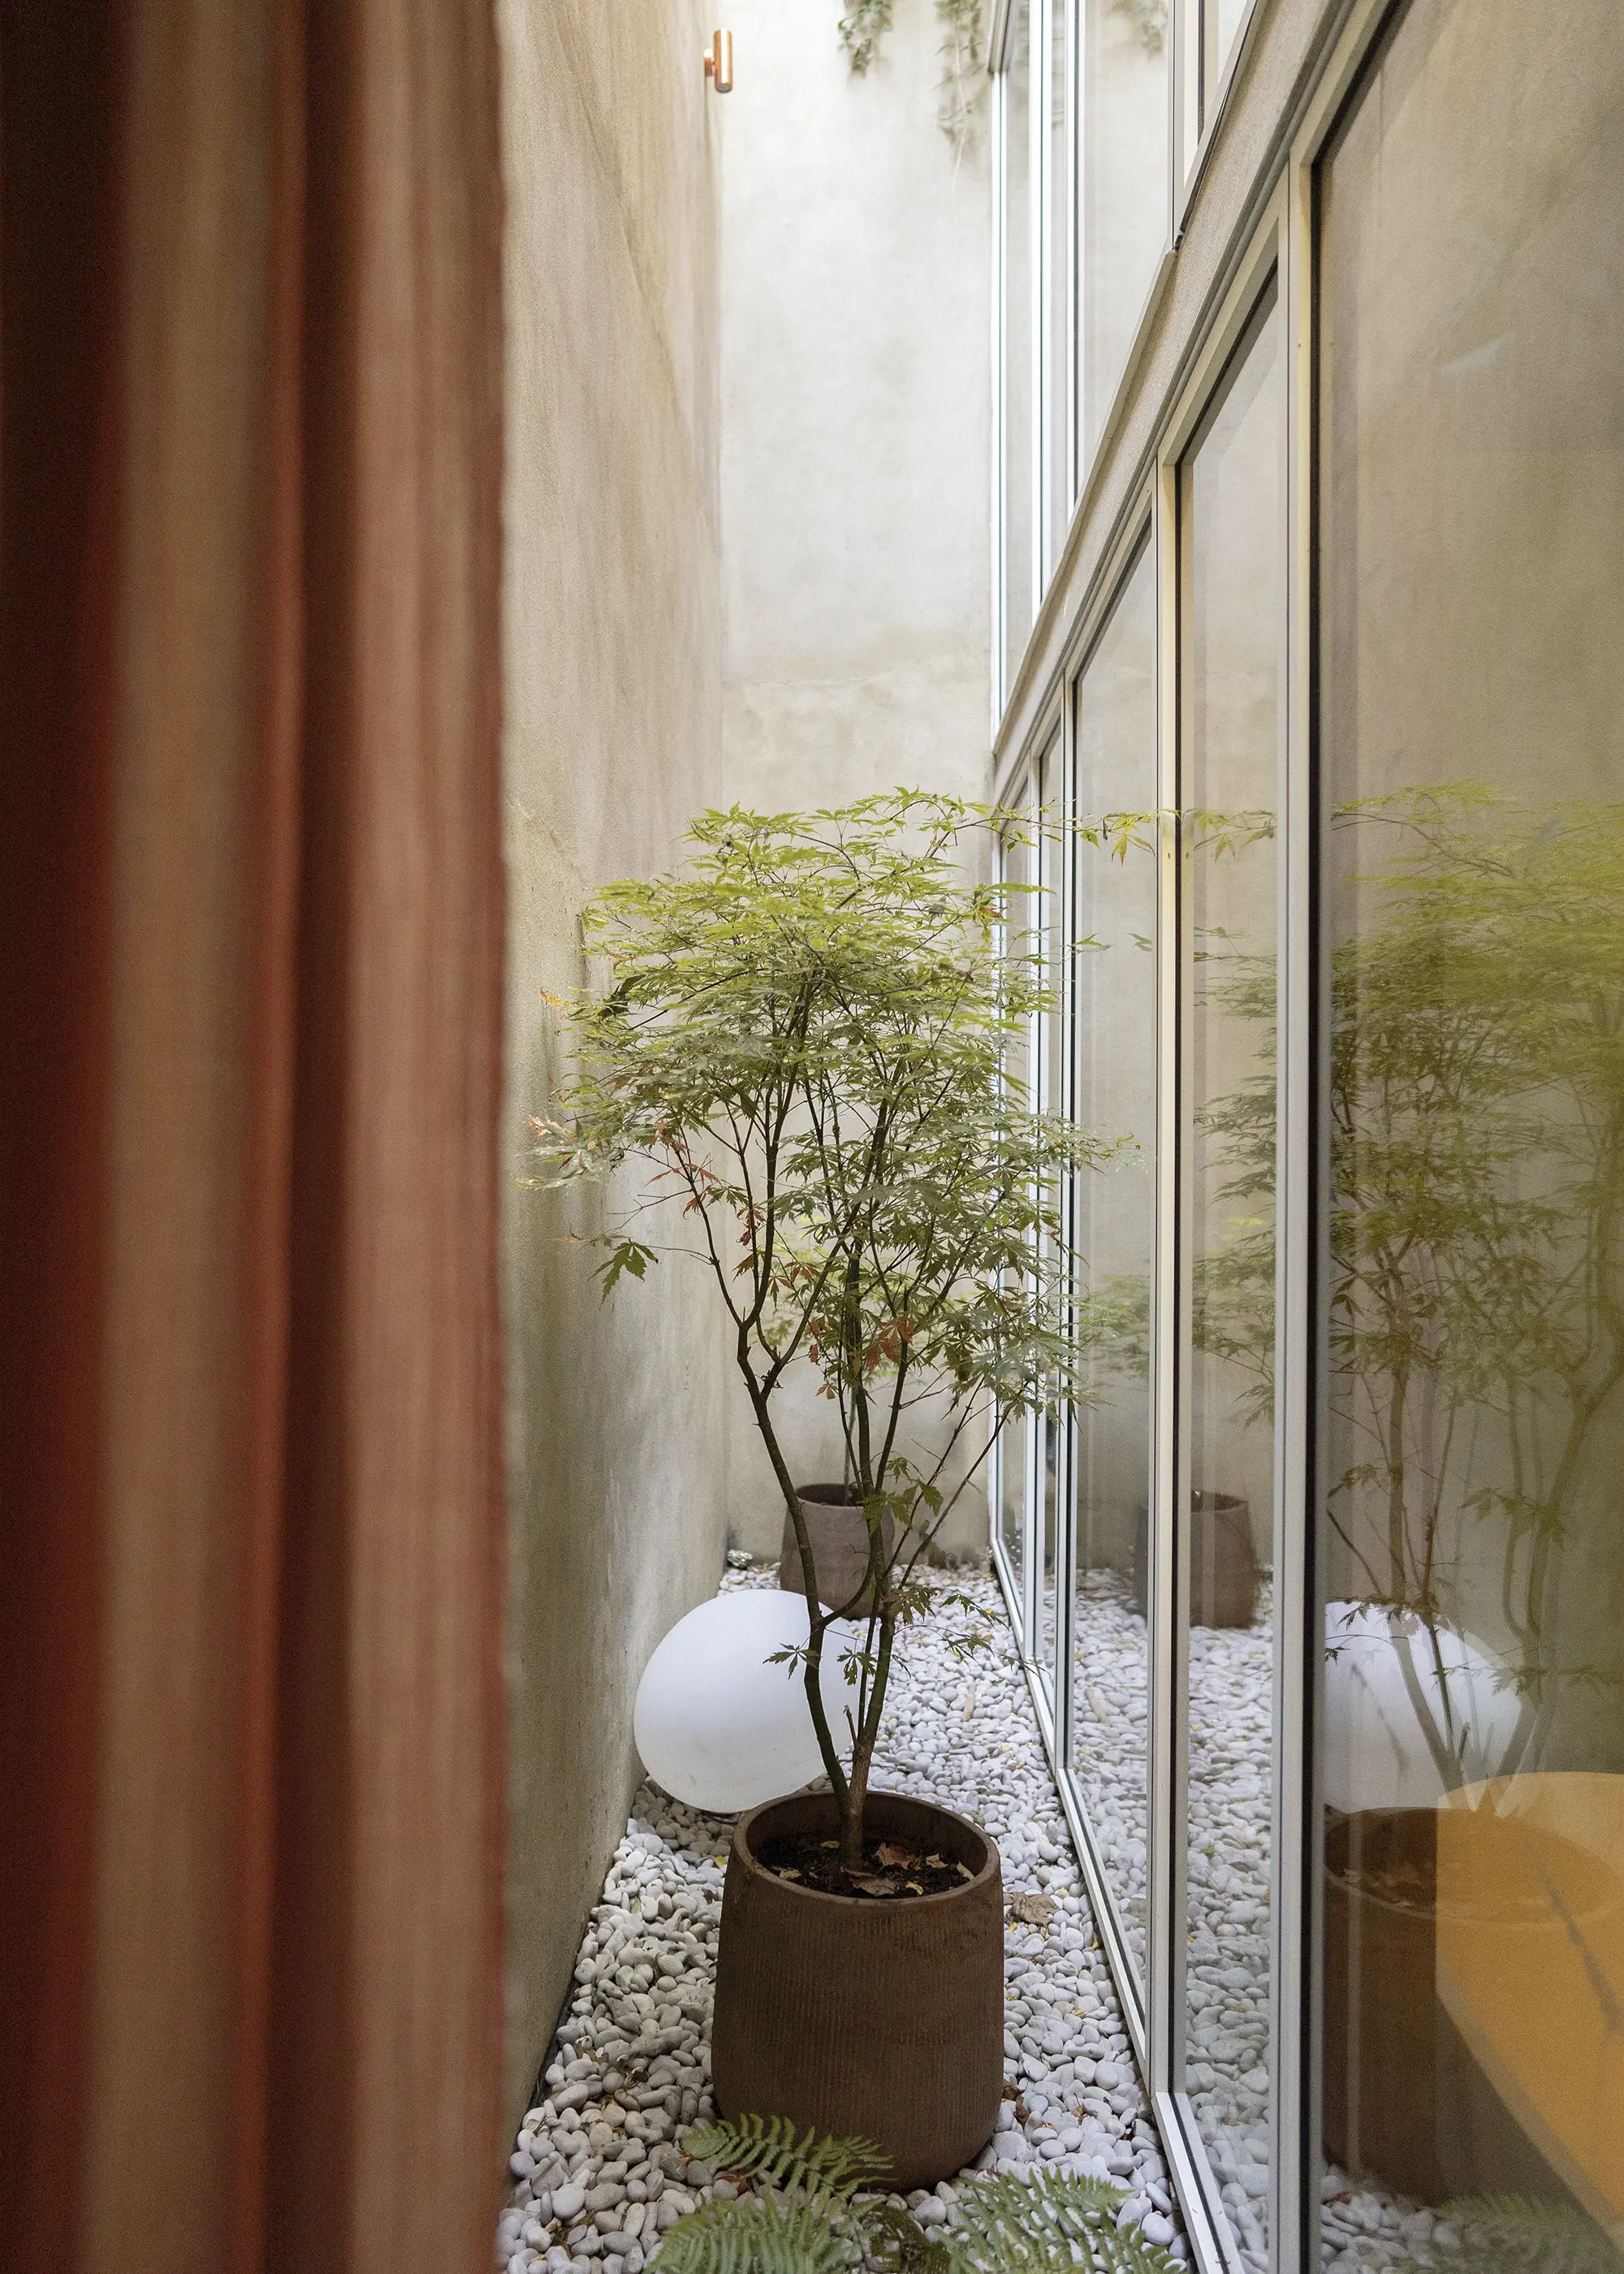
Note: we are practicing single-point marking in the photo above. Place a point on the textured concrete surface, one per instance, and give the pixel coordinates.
(854, 475)
(612, 698)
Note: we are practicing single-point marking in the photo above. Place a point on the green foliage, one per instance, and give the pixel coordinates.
(813, 2215)
(758, 2236)
(771, 2148)
(1517, 2234)
(861, 29)
(1010, 2225)
(964, 77)
(962, 88)
(1148, 18)
(801, 1042)
(1476, 1284)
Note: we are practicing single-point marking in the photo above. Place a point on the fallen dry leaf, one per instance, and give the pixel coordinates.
(894, 1856)
(935, 1863)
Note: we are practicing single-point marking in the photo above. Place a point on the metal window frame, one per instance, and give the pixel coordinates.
(1282, 241)
(1197, 2187)
(1057, 209)
(1202, 83)
(1003, 676)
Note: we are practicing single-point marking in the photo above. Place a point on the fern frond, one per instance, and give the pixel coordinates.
(769, 2149)
(756, 2236)
(1519, 2234)
(1009, 2226)
(894, 2244)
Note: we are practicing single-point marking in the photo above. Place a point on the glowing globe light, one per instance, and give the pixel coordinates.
(719, 1728)
(1381, 1751)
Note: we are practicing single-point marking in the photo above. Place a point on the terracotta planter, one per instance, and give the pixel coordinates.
(883, 2018)
(839, 1539)
(1380, 2016)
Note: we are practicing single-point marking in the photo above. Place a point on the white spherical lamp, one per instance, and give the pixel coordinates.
(1411, 1711)
(718, 1726)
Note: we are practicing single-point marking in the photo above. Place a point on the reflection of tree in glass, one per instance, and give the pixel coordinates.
(1476, 1235)
(1233, 1288)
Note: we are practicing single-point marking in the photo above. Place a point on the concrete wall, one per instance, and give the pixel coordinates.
(613, 698)
(855, 450)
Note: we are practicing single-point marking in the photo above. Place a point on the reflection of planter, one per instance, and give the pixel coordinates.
(885, 2019)
(1224, 1563)
(1381, 2051)
(838, 1534)
(1417, 1905)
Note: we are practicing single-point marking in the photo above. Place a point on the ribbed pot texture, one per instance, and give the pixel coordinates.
(839, 1536)
(885, 2019)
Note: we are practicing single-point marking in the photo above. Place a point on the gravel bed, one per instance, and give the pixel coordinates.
(1230, 1732)
(1112, 1682)
(598, 2168)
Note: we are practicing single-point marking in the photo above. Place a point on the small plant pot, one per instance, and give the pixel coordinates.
(838, 1534)
(1224, 1563)
(883, 2018)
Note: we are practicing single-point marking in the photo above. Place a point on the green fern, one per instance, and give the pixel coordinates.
(771, 2148)
(1009, 2225)
(1519, 2234)
(757, 2236)
(817, 2217)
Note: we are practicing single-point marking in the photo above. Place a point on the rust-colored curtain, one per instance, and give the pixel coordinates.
(250, 981)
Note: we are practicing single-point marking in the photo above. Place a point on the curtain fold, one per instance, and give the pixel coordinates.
(251, 984)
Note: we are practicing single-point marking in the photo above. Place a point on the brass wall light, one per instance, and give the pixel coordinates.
(720, 62)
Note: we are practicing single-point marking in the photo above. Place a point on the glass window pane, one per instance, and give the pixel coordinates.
(1012, 1464)
(1123, 193)
(1051, 1098)
(1057, 302)
(1471, 723)
(1015, 1447)
(1233, 547)
(1114, 1043)
(1224, 18)
(1018, 342)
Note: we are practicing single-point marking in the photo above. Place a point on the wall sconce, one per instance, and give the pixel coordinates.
(720, 62)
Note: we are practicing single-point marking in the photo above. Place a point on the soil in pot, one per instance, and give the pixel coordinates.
(853, 2014)
(890, 1869)
(838, 1534)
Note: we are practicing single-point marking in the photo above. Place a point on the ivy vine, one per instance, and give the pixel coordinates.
(964, 77)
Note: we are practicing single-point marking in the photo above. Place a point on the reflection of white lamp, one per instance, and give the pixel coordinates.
(1380, 1662)
(718, 1726)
